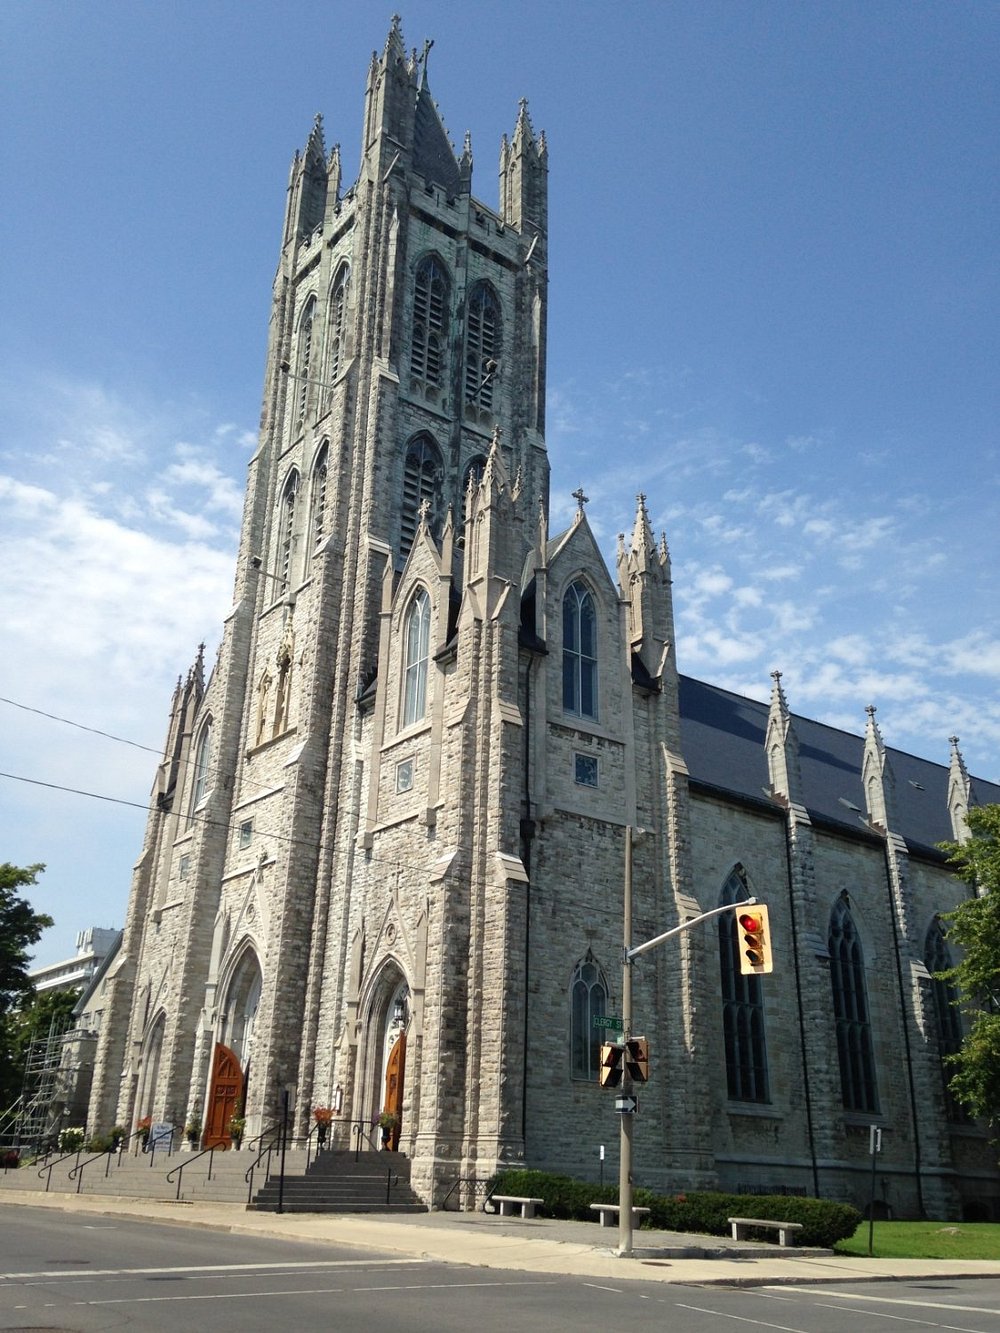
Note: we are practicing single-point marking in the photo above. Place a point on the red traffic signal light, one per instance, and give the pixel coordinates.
(754, 940)
(637, 1059)
(612, 1061)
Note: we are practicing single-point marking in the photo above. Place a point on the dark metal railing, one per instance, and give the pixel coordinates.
(46, 1170)
(363, 1129)
(178, 1171)
(77, 1171)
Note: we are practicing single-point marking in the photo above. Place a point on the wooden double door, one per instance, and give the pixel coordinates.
(225, 1094)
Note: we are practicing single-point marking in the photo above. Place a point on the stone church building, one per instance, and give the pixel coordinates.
(385, 853)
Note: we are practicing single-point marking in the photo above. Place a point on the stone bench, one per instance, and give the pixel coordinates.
(508, 1202)
(610, 1213)
(786, 1230)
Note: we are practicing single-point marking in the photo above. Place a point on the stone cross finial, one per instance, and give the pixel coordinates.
(424, 511)
(580, 498)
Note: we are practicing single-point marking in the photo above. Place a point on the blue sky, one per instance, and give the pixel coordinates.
(773, 309)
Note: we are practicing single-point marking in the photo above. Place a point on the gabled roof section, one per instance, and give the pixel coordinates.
(433, 156)
(722, 739)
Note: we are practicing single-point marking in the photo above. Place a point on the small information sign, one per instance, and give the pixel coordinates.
(626, 1105)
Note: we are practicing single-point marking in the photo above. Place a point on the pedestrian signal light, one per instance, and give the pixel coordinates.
(612, 1061)
(754, 940)
(637, 1059)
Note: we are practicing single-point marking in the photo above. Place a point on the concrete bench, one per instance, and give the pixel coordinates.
(508, 1202)
(786, 1230)
(610, 1213)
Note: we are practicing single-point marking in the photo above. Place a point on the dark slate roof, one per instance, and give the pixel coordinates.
(722, 739)
(433, 157)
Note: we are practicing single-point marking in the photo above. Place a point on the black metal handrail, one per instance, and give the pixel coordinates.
(151, 1147)
(48, 1167)
(77, 1172)
(363, 1129)
(178, 1171)
(266, 1150)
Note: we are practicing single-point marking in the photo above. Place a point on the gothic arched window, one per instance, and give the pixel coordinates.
(937, 958)
(318, 518)
(579, 652)
(303, 360)
(742, 1006)
(336, 326)
(588, 1000)
(201, 783)
(429, 333)
(286, 531)
(416, 650)
(483, 341)
(850, 1010)
(422, 474)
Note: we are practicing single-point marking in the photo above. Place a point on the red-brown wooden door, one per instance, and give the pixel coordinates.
(224, 1095)
(394, 1088)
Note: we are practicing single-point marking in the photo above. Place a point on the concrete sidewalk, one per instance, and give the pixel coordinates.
(541, 1245)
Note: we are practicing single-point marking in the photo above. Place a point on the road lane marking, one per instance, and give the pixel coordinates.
(923, 1320)
(896, 1300)
(261, 1267)
(743, 1319)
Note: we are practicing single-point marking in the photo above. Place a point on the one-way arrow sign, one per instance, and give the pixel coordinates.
(626, 1105)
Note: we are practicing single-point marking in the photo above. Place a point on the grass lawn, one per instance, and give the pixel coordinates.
(926, 1240)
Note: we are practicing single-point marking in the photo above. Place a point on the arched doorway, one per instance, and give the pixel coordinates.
(233, 1053)
(152, 1050)
(396, 1018)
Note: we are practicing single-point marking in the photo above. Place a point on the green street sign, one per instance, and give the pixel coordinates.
(611, 1021)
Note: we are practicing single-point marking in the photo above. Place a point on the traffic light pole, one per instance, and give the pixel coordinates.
(627, 1120)
(628, 954)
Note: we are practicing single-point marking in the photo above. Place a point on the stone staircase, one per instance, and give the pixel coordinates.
(345, 1182)
(334, 1181)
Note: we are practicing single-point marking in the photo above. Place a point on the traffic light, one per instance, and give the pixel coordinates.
(612, 1060)
(754, 940)
(637, 1059)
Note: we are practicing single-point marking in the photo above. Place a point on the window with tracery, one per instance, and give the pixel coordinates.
(202, 775)
(482, 348)
(337, 323)
(850, 1009)
(318, 521)
(422, 481)
(286, 533)
(937, 958)
(742, 1006)
(588, 1000)
(303, 361)
(430, 316)
(579, 624)
(416, 650)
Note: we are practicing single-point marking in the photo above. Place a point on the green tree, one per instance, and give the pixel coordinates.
(20, 928)
(975, 927)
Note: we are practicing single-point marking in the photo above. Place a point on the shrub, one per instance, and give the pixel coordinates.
(99, 1143)
(823, 1222)
(71, 1140)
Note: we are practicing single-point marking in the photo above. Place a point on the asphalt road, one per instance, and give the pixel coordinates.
(64, 1271)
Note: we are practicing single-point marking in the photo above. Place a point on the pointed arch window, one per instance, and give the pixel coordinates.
(318, 518)
(422, 480)
(286, 531)
(742, 1006)
(337, 323)
(428, 339)
(937, 958)
(483, 342)
(202, 773)
(850, 1010)
(303, 361)
(588, 1000)
(579, 624)
(416, 650)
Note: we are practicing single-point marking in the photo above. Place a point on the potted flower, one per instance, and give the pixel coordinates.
(323, 1115)
(118, 1133)
(237, 1124)
(143, 1126)
(387, 1122)
(192, 1130)
(71, 1140)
